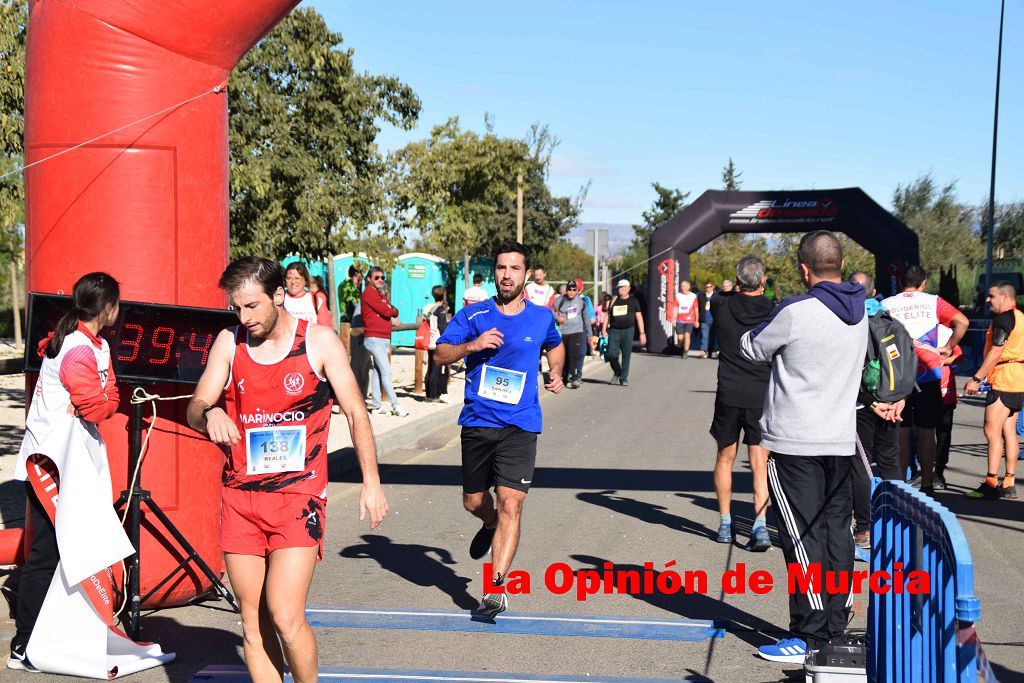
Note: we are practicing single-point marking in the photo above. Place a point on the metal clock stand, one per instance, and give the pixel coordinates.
(135, 497)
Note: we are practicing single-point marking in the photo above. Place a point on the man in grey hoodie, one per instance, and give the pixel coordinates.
(815, 344)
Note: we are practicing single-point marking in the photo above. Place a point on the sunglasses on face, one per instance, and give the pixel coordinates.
(377, 277)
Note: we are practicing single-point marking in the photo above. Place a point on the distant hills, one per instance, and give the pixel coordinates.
(619, 234)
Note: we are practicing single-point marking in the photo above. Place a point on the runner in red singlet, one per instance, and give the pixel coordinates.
(277, 374)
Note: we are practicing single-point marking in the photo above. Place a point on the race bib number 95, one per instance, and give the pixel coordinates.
(499, 384)
(275, 449)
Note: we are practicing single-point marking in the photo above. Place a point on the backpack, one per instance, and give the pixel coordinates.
(890, 372)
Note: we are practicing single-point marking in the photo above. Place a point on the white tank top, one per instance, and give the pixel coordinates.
(302, 307)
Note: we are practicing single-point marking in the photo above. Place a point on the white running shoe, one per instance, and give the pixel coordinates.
(492, 604)
(399, 411)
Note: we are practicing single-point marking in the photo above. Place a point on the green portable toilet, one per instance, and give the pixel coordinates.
(477, 264)
(412, 278)
(340, 264)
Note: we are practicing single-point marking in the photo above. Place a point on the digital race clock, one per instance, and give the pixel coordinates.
(148, 343)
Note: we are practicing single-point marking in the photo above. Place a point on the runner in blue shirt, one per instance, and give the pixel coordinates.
(501, 339)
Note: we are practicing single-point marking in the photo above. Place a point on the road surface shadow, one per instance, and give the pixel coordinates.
(195, 646)
(749, 628)
(413, 563)
(644, 511)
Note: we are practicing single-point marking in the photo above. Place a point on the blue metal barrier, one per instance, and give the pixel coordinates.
(917, 637)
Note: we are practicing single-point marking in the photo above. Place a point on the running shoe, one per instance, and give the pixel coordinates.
(624, 382)
(787, 650)
(19, 661)
(1009, 492)
(399, 411)
(986, 491)
(760, 541)
(940, 482)
(614, 380)
(481, 543)
(862, 539)
(380, 411)
(724, 533)
(492, 604)
(916, 481)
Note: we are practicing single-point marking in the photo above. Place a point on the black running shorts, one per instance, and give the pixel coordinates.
(493, 456)
(924, 408)
(684, 328)
(1012, 400)
(728, 420)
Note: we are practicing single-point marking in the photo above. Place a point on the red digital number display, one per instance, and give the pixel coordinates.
(149, 342)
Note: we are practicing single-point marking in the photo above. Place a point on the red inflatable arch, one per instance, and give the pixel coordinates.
(147, 204)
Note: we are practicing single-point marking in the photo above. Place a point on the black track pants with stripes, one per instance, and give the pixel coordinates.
(813, 499)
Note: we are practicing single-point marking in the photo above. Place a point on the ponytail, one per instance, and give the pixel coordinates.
(93, 294)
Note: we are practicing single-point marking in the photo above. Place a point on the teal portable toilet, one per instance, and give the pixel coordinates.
(412, 278)
(340, 264)
(477, 264)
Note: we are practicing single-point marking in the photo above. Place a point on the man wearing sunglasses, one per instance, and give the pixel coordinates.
(377, 314)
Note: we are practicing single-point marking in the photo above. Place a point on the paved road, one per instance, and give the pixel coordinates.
(624, 476)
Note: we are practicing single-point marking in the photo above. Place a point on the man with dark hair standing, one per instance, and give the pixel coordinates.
(928, 319)
(501, 339)
(1004, 368)
(279, 373)
(809, 426)
(739, 398)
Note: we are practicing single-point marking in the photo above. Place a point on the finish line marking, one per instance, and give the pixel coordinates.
(238, 674)
(512, 622)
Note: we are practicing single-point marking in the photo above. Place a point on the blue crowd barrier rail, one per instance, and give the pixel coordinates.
(925, 637)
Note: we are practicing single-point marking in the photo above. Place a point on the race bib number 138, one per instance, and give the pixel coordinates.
(275, 449)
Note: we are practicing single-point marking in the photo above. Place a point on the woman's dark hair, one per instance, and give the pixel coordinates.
(266, 273)
(300, 268)
(92, 294)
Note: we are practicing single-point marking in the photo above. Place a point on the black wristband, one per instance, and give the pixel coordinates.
(977, 379)
(208, 409)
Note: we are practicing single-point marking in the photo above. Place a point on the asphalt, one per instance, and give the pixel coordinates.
(624, 476)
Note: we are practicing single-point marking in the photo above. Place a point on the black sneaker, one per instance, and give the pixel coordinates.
(19, 661)
(481, 543)
(986, 491)
(940, 482)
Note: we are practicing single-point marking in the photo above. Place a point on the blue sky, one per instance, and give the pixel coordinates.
(821, 95)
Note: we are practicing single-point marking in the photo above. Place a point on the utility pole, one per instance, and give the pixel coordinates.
(992, 185)
(597, 286)
(519, 208)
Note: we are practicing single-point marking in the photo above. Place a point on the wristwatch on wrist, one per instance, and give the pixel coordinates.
(208, 409)
(977, 379)
(874, 405)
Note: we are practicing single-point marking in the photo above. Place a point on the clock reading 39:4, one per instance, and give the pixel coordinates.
(148, 343)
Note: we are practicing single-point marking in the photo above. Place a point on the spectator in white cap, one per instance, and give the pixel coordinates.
(623, 316)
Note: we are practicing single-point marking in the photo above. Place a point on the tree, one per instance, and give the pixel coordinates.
(1009, 237)
(457, 190)
(731, 177)
(13, 30)
(563, 260)
(667, 203)
(306, 174)
(943, 225)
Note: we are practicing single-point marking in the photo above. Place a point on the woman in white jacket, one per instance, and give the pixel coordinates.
(76, 378)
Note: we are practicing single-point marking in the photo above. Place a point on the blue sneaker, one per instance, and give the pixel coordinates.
(724, 533)
(760, 541)
(788, 650)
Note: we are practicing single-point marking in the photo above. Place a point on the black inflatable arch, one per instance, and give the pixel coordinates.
(717, 212)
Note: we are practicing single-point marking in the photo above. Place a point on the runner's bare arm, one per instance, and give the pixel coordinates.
(449, 353)
(327, 351)
(215, 422)
(988, 364)
(556, 361)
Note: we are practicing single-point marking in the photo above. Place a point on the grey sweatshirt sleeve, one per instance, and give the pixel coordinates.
(762, 343)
